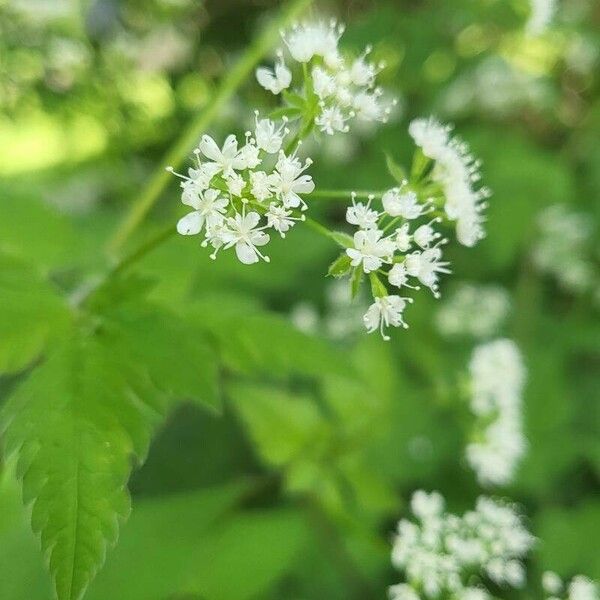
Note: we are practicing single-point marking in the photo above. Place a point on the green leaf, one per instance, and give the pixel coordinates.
(356, 281)
(291, 112)
(396, 171)
(294, 99)
(340, 266)
(282, 426)
(32, 313)
(176, 353)
(75, 424)
(378, 289)
(35, 231)
(252, 342)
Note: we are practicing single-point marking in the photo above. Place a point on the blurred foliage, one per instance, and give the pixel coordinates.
(282, 460)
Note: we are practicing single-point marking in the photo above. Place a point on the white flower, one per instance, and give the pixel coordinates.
(552, 583)
(279, 218)
(457, 171)
(402, 591)
(235, 184)
(368, 107)
(225, 159)
(288, 181)
(250, 156)
(582, 588)
(198, 181)
(260, 185)
(403, 238)
(497, 378)
(401, 204)
(331, 120)
(425, 266)
(426, 506)
(315, 39)
(362, 214)
(276, 80)
(268, 137)
(370, 250)
(362, 73)
(323, 84)
(385, 312)
(398, 276)
(425, 234)
(209, 208)
(242, 232)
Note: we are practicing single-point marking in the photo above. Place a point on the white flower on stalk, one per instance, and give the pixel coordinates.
(315, 39)
(370, 250)
(209, 207)
(424, 235)
(276, 80)
(405, 204)
(242, 231)
(497, 379)
(385, 311)
(323, 84)
(426, 267)
(288, 181)
(280, 219)
(457, 172)
(235, 184)
(398, 276)
(260, 185)
(225, 159)
(269, 137)
(361, 214)
(403, 238)
(331, 120)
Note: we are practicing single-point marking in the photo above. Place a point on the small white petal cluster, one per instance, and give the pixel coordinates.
(563, 248)
(473, 310)
(541, 14)
(232, 188)
(441, 552)
(457, 172)
(579, 588)
(340, 89)
(410, 253)
(497, 378)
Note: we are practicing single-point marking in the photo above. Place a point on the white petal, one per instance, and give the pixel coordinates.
(304, 185)
(209, 148)
(230, 148)
(266, 78)
(191, 224)
(251, 220)
(246, 253)
(260, 238)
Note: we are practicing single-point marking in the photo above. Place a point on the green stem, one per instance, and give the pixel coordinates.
(182, 147)
(316, 226)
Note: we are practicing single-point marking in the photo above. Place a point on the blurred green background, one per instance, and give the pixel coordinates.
(293, 492)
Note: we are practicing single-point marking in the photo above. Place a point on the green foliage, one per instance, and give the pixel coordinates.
(32, 314)
(395, 170)
(340, 266)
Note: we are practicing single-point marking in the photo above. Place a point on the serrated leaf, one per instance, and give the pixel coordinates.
(31, 314)
(75, 425)
(340, 266)
(176, 354)
(395, 170)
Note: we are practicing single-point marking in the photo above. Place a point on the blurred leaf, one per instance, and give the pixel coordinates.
(34, 231)
(340, 266)
(283, 427)
(395, 170)
(31, 314)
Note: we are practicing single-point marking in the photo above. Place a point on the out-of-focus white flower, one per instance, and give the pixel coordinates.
(552, 583)
(583, 588)
(541, 14)
(222, 215)
(563, 248)
(402, 591)
(457, 172)
(497, 379)
(474, 310)
(386, 311)
(443, 552)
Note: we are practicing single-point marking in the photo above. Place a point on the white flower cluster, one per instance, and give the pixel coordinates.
(497, 378)
(335, 90)
(540, 16)
(563, 248)
(441, 553)
(579, 588)
(473, 310)
(412, 251)
(457, 173)
(231, 188)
